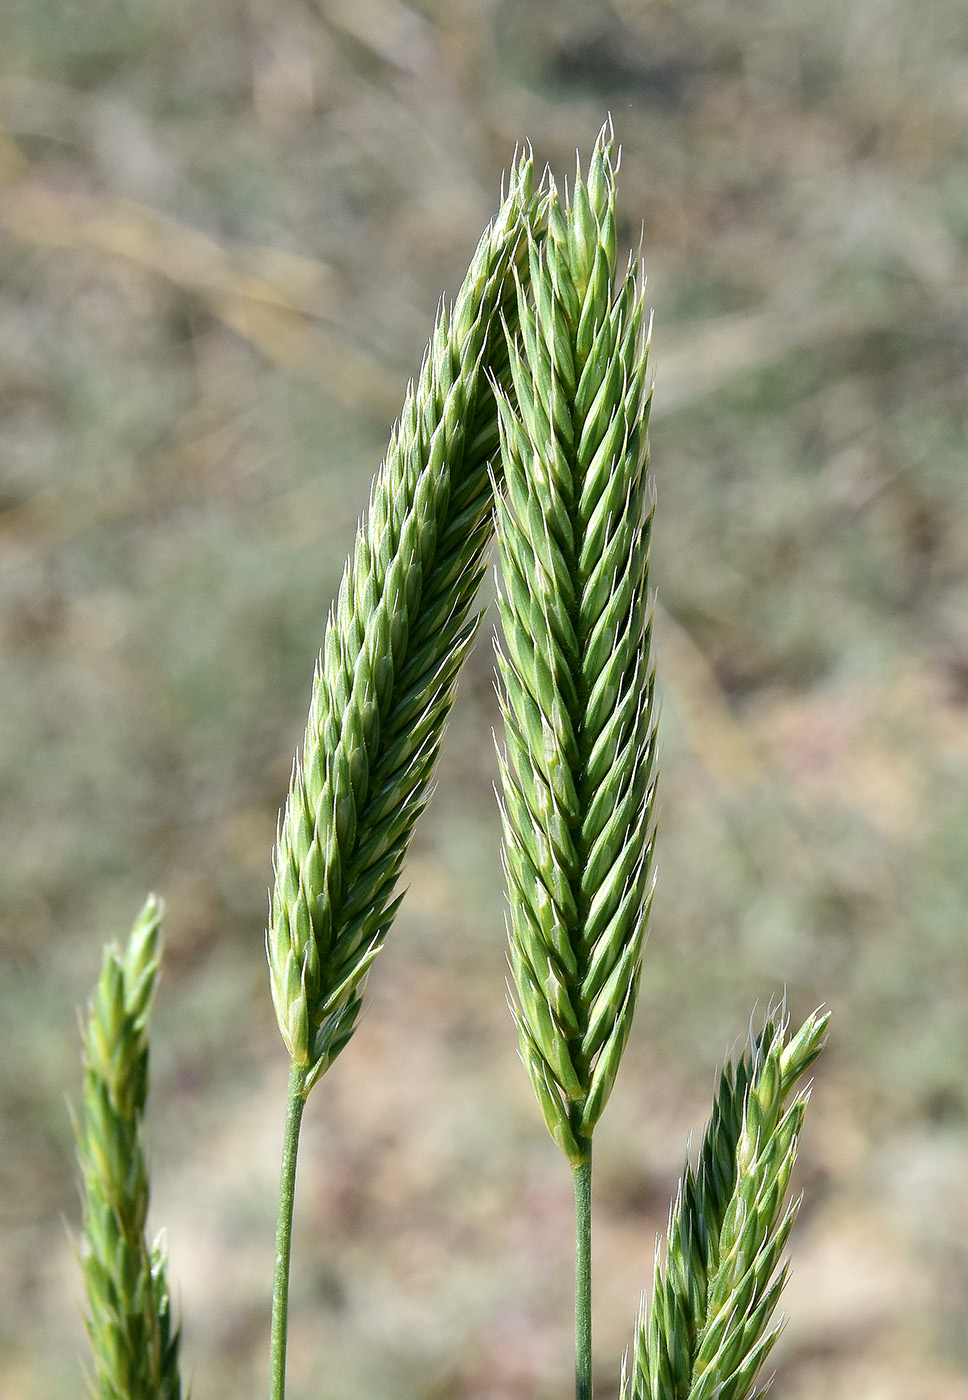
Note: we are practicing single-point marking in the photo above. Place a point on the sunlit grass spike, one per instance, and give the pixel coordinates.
(396, 637)
(577, 689)
(576, 678)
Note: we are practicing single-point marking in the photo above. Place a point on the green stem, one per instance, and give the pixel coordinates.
(287, 1191)
(582, 1175)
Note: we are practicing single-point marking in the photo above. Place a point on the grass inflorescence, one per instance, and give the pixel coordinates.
(577, 681)
(133, 1340)
(395, 640)
(529, 419)
(708, 1329)
(574, 521)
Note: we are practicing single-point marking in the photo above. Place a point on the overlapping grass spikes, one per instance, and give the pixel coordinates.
(708, 1330)
(577, 682)
(129, 1312)
(394, 643)
(532, 400)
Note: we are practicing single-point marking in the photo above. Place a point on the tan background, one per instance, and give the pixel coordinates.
(224, 228)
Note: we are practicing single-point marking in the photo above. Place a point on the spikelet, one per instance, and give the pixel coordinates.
(709, 1328)
(394, 643)
(129, 1310)
(577, 682)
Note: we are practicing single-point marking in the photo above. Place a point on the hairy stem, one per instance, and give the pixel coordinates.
(298, 1075)
(582, 1176)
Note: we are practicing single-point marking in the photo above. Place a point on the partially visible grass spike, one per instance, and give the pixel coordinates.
(710, 1326)
(134, 1343)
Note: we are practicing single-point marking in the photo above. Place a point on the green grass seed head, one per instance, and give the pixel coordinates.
(129, 1322)
(396, 637)
(576, 675)
(710, 1325)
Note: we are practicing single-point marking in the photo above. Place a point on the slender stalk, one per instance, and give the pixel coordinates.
(582, 1177)
(298, 1076)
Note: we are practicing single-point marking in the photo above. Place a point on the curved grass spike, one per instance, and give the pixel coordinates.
(577, 681)
(709, 1329)
(129, 1310)
(394, 643)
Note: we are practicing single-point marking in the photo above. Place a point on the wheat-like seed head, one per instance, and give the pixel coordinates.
(709, 1328)
(129, 1323)
(577, 682)
(394, 643)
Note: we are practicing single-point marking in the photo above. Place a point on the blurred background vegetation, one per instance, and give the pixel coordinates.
(224, 229)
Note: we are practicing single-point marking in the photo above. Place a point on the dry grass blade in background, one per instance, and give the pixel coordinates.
(129, 1323)
(708, 1330)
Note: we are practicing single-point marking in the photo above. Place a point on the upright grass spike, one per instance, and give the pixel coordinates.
(709, 1329)
(577, 681)
(394, 643)
(129, 1311)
